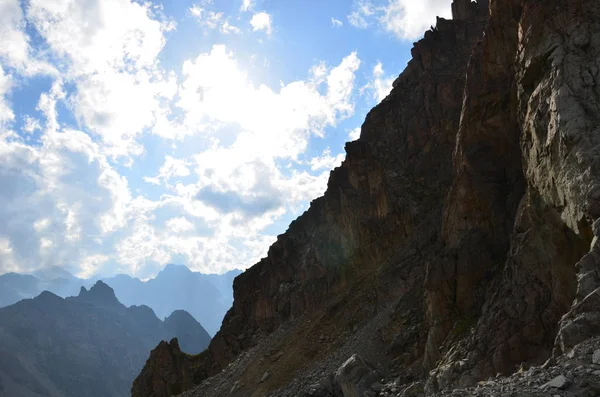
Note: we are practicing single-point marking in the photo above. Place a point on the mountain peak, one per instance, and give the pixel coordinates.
(175, 269)
(181, 315)
(47, 296)
(99, 293)
(52, 273)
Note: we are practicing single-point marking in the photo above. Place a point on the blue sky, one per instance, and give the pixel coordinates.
(134, 134)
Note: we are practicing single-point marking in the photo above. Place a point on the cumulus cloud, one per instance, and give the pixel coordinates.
(110, 49)
(336, 23)
(71, 191)
(261, 21)
(51, 197)
(406, 19)
(278, 123)
(15, 50)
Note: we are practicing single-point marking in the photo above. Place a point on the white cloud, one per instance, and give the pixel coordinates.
(110, 51)
(6, 256)
(354, 134)
(326, 161)
(277, 123)
(15, 46)
(213, 20)
(15, 49)
(31, 124)
(362, 11)
(100, 35)
(380, 85)
(171, 168)
(55, 196)
(45, 243)
(89, 265)
(336, 23)
(120, 106)
(179, 225)
(207, 18)
(406, 19)
(47, 104)
(6, 112)
(246, 5)
(41, 224)
(229, 29)
(66, 199)
(261, 21)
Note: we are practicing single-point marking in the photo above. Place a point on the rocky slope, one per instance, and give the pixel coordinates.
(89, 345)
(456, 242)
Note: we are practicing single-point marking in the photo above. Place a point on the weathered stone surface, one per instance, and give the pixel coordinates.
(354, 378)
(560, 382)
(596, 357)
(168, 372)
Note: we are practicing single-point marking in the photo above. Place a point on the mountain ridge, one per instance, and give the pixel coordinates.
(175, 287)
(88, 344)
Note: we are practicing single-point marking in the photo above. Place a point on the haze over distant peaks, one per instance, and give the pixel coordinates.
(206, 297)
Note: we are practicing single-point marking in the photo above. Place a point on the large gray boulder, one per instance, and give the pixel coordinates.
(354, 378)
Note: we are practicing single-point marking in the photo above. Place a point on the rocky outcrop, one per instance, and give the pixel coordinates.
(169, 369)
(453, 243)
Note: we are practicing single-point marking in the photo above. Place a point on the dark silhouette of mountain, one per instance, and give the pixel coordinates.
(192, 337)
(206, 297)
(88, 345)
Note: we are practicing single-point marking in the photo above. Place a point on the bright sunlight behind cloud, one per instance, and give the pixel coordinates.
(136, 134)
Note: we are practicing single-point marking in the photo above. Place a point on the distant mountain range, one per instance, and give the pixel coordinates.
(206, 297)
(89, 345)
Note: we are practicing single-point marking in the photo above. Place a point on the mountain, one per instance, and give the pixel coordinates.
(15, 287)
(192, 337)
(456, 243)
(206, 297)
(88, 345)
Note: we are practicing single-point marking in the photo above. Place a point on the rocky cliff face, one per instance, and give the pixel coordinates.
(454, 241)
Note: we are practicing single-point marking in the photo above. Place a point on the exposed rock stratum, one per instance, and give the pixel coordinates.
(457, 242)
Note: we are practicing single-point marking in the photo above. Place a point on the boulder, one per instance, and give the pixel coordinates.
(354, 378)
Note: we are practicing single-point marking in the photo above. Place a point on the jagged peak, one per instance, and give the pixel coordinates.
(181, 315)
(175, 269)
(99, 293)
(48, 296)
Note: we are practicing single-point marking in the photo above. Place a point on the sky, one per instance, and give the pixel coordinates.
(139, 133)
